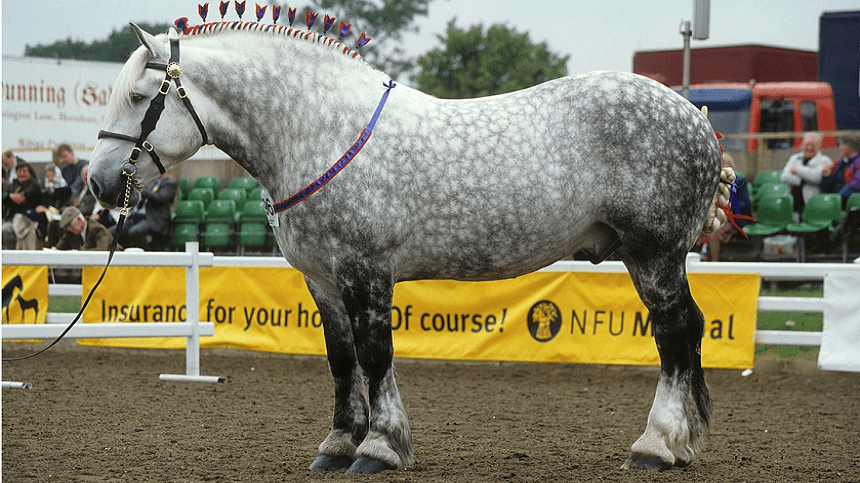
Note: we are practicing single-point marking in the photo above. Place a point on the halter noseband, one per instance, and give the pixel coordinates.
(150, 119)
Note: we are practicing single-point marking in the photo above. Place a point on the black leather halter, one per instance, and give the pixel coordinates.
(150, 119)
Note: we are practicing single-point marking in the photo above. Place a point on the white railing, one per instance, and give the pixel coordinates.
(784, 272)
(192, 329)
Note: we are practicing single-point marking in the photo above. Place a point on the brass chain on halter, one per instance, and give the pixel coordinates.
(123, 212)
(128, 170)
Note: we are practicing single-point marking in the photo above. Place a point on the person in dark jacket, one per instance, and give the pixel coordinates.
(22, 213)
(82, 233)
(149, 223)
(843, 177)
(71, 166)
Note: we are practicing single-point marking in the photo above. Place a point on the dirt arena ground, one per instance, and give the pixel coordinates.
(96, 414)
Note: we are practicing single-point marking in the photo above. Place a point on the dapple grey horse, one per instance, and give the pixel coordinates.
(473, 189)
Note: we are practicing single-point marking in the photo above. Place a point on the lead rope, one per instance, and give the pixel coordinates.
(129, 174)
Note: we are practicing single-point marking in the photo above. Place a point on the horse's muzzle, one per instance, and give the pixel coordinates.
(114, 196)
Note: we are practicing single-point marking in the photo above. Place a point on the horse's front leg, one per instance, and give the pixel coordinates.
(367, 293)
(679, 418)
(349, 423)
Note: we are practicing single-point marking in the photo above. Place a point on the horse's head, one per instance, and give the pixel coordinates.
(150, 124)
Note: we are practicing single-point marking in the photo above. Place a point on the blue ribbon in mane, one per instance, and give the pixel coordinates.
(342, 162)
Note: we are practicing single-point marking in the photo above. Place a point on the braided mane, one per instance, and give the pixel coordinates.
(306, 35)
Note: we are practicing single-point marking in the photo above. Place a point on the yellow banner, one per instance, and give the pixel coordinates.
(261, 309)
(25, 294)
(594, 318)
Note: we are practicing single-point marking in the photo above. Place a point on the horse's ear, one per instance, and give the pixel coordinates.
(156, 49)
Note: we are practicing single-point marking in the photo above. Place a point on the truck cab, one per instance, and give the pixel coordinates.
(767, 107)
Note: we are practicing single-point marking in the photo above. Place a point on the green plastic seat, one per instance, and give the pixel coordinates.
(773, 215)
(772, 189)
(254, 193)
(218, 226)
(187, 219)
(253, 226)
(766, 177)
(206, 195)
(239, 195)
(243, 183)
(853, 201)
(819, 213)
(211, 182)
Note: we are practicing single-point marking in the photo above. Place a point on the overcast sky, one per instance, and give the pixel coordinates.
(597, 35)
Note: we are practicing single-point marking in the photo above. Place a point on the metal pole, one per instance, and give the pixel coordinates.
(685, 83)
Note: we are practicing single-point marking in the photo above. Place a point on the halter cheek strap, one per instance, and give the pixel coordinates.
(156, 106)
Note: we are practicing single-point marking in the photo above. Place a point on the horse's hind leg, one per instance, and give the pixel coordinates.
(678, 421)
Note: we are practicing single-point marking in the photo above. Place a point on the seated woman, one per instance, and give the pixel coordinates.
(23, 214)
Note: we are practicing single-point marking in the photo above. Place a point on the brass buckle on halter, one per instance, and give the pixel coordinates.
(181, 91)
(165, 87)
(148, 146)
(135, 153)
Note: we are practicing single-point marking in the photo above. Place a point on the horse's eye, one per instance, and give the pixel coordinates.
(136, 98)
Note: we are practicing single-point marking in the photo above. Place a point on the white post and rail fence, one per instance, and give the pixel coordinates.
(839, 280)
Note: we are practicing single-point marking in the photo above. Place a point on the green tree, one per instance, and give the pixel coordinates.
(118, 46)
(474, 63)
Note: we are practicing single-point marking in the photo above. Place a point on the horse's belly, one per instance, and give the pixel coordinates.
(475, 251)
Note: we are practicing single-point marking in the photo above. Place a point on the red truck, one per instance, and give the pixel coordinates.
(751, 89)
(767, 107)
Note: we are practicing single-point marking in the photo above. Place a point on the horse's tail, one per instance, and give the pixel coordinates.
(716, 215)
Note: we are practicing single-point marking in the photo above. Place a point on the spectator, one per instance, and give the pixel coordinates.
(22, 213)
(71, 166)
(843, 176)
(149, 224)
(82, 233)
(803, 171)
(57, 191)
(82, 199)
(9, 162)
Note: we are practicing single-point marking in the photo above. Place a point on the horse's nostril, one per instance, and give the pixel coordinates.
(94, 186)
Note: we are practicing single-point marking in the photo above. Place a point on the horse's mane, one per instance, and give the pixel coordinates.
(136, 63)
(274, 30)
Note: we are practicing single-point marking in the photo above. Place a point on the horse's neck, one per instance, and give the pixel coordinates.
(282, 106)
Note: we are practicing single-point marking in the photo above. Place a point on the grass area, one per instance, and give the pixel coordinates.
(64, 304)
(802, 321)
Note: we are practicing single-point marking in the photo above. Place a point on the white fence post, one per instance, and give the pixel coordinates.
(192, 312)
(192, 329)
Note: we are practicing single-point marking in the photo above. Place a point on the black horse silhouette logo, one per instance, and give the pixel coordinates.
(9, 290)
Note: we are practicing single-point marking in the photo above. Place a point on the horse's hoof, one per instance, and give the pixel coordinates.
(329, 462)
(369, 466)
(641, 461)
